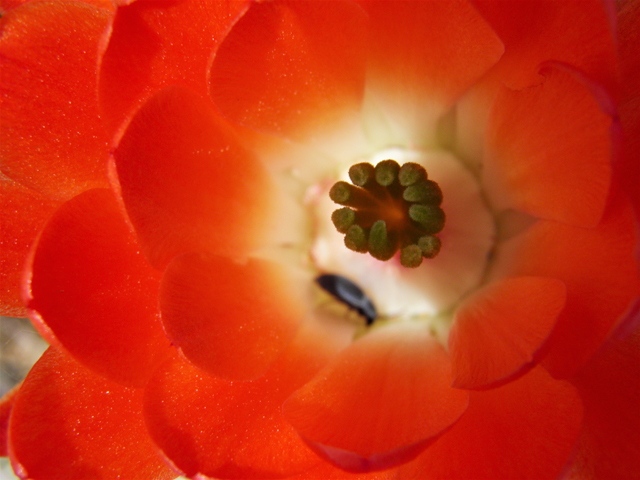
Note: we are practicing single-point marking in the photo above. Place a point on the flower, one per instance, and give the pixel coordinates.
(188, 213)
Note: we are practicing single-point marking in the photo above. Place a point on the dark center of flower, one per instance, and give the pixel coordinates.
(390, 208)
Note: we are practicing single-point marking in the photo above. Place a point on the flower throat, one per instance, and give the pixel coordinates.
(389, 208)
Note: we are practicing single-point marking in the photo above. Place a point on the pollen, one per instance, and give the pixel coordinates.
(388, 209)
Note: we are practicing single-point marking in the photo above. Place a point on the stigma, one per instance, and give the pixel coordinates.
(390, 208)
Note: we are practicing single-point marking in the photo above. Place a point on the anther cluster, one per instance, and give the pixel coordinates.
(389, 208)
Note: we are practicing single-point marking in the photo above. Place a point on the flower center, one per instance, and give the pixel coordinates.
(389, 208)
(431, 291)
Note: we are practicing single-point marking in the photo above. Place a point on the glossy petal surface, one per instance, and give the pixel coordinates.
(23, 212)
(229, 319)
(548, 151)
(228, 429)
(69, 423)
(506, 433)
(292, 68)
(599, 270)
(91, 291)
(380, 400)
(186, 181)
(423, 56)
(501, 327)
(59, 149)
(155, 44)
(610, 388)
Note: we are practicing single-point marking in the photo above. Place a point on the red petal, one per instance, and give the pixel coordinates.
(92, 292)
(609, 446)
(157, 44)
(24, 212)
(51, 137)
(548, 151)
(187, 183)
(378, 403)
(499, 329)
(577, 33)
(70, 423)
(423, 56)
(229, 319)
(600, 272)
(524, 430)
(292, 68)
(629, 19)
(6, 405)
(228, 429)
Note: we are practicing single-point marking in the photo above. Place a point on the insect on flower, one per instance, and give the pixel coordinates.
(350, 294)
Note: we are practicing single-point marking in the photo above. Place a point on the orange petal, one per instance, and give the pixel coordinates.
(576, 33)
(523, 430)
(423, 56)
(609, 445)
(51, 137)
(91, 291)
(186, 181)
(548, 151)
(229, 319)
(598, 267)
(292, 68)
(6, 405)
(23, 212)
(499, 329)
(68, 422)
(226, 429)
(154, 45)
(380, 401)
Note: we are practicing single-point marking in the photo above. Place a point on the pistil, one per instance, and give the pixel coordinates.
(390, 208)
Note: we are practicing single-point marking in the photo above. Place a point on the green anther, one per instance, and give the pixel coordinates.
(411, 173)
(411, 256)
(349, 195)
(343, 218)
(380, 246)
(423, 192)
(387, 172)
(430, 217)
(361, 173)
(356, 239)
(430, 246)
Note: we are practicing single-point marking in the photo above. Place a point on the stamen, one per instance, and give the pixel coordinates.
(389, 208)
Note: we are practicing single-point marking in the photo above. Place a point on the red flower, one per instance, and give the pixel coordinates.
(174, 157)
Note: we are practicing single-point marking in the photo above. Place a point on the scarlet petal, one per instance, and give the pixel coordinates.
(291, 68)
(576, 33)
(231, 320)
(609, 445)
(501, 327)
(598, 267)
(423, 56)
(24, 212)
(379, 401)
(525, 429)
(92, 292)
(51, 137)
(226, 429)
(629, 19)
(186, 182)
(548, 151)
(6, 405)
(68, 422)
(157, 44)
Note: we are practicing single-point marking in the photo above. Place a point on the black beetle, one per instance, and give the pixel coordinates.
(350, 294)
